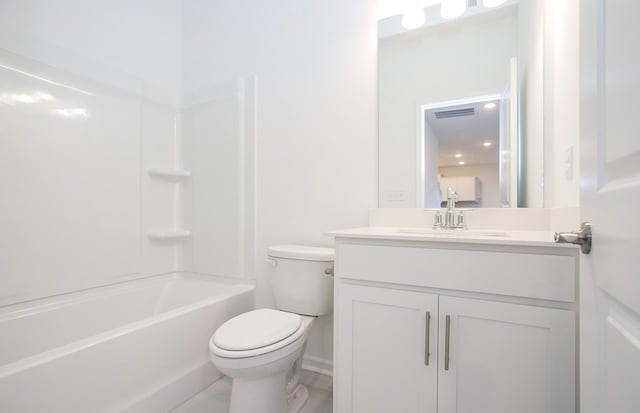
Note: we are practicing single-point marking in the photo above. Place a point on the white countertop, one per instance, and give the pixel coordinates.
(484, 237)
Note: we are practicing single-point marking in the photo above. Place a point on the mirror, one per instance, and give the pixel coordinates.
(460, 105)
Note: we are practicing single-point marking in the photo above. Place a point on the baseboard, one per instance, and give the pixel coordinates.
(318, 365)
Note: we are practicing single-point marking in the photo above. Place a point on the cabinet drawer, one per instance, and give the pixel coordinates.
(547, 277)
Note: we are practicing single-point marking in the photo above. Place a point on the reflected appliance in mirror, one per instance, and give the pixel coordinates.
(487, 54)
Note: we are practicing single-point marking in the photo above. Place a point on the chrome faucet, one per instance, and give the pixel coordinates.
(451, 207)
(450, 215)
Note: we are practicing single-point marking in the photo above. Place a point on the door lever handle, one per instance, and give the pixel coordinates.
(582, 237)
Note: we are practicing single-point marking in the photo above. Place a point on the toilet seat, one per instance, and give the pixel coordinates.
(256, 332)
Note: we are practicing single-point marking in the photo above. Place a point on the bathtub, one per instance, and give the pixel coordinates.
(138, 346)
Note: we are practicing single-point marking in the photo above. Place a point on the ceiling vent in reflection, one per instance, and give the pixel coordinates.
(455, 113)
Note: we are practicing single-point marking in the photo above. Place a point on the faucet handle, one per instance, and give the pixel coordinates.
(462, 222)
(437, 222)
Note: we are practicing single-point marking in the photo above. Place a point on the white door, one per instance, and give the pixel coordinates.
(610, 179)
(505, 358)
(382, 362)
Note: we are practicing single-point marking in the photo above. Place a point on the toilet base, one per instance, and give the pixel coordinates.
(267, 395)
(297, 399)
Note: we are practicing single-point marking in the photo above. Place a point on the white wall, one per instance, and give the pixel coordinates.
(548, 72)
(561, 104)
(461, 59)
(315, 67)
(141, 39)
(77, 202)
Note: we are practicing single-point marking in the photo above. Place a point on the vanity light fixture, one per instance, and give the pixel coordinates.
(458, 155)
(493, 3)
(487, 144)
(490, 105)
(450, 9)
(413, 19)
(461, 163)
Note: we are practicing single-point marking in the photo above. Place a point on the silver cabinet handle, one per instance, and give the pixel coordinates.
(582, 237)
(447, 328)
(426, 338)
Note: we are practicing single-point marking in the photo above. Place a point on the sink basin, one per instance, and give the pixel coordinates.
(455, 233)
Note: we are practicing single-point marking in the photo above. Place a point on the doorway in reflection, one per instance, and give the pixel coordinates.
(466, 147)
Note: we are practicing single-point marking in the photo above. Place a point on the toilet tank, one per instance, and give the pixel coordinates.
(302, 278)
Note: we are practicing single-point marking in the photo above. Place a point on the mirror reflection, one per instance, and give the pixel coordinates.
(466, 148)
(434, 129)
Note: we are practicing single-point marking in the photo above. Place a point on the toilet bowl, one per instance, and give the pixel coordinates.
(262, 376)
(262, 350)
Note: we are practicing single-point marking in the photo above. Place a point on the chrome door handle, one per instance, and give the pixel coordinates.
(582, 237)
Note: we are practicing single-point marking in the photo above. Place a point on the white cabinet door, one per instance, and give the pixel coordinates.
(381, 360)
(505, 358)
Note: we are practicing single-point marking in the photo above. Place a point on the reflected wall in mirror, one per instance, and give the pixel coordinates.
(447, 65)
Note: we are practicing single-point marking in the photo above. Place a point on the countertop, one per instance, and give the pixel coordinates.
(484, 237)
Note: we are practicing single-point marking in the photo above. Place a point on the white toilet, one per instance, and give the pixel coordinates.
(262, 350)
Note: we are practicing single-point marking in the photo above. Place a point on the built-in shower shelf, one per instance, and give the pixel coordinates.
(171, 234)
(169, 174)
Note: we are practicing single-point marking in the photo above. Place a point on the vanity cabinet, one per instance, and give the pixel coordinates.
(402, 345)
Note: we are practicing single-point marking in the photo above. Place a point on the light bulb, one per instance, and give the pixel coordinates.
(72, 113)
(450, 9)
(413, 19)
(493, 3)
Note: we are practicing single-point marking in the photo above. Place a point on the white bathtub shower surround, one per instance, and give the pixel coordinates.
(217, 202)
(135, 183)
(135, 346)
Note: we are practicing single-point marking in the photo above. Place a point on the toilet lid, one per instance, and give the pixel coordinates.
(299, 252)
(255, 329)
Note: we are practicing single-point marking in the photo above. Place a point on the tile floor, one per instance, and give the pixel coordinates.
(215, 398)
